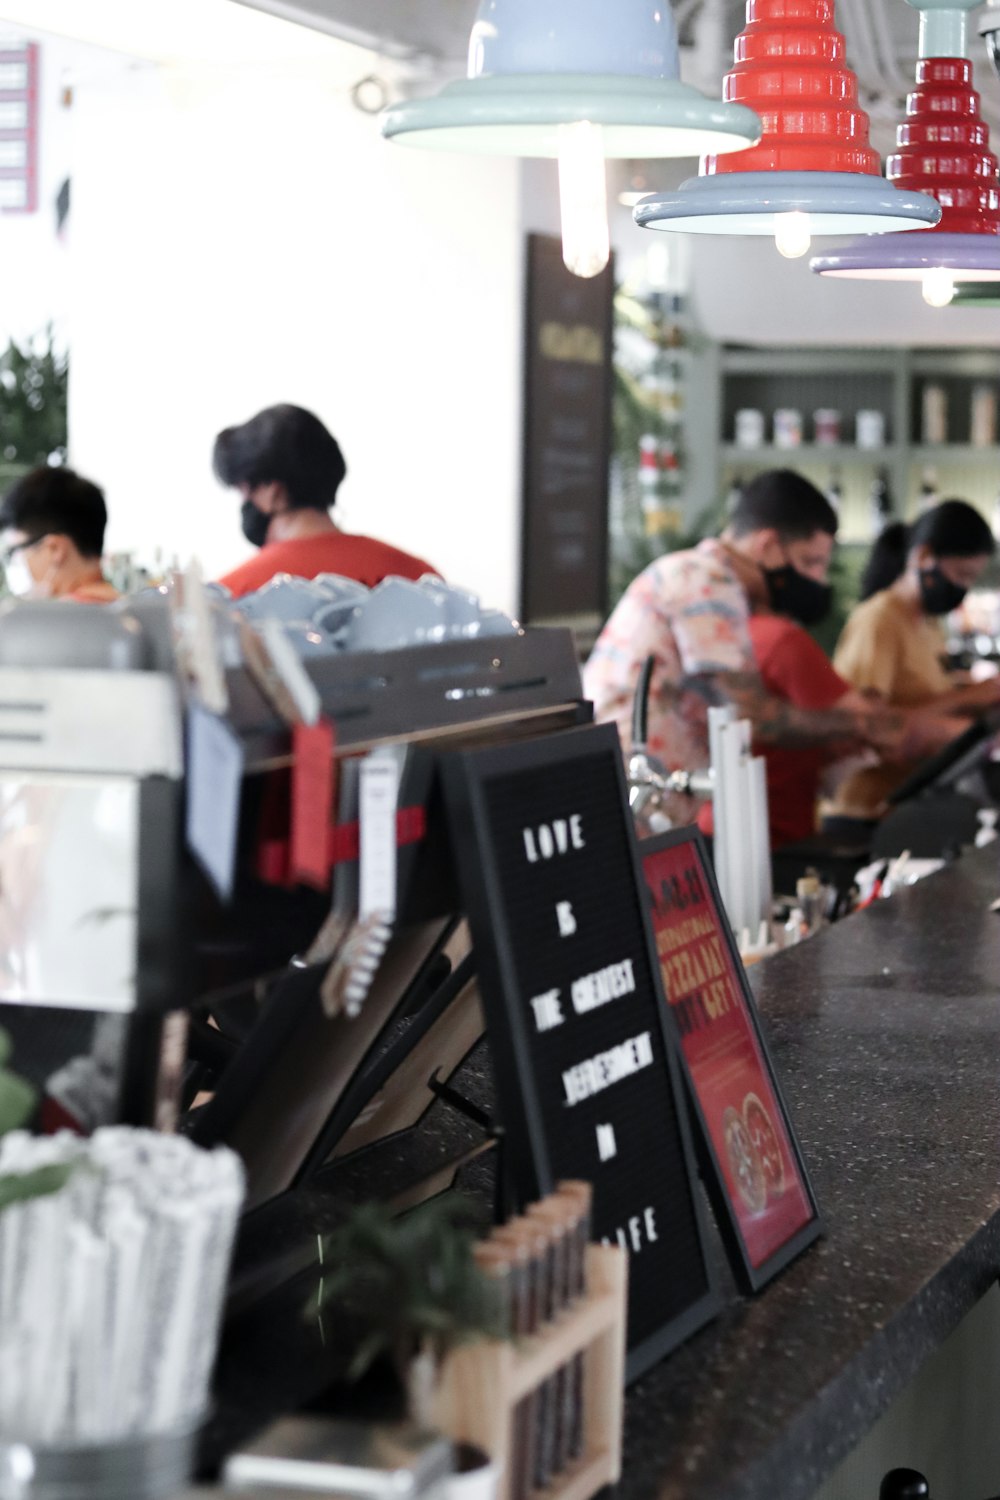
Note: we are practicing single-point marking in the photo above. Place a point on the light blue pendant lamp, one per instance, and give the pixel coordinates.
(814, 171)
(581, 81)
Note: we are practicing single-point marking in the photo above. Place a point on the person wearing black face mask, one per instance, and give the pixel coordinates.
(795, 670)
(892, 647)
(693, 610)
(288, 469)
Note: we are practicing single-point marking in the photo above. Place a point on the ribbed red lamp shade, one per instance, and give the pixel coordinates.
(814, 172)
(791, 69)
(943, 147)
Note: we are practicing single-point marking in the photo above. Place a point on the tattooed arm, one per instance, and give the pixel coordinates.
(777, 722)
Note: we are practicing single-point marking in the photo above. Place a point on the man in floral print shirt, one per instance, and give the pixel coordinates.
(691, 610)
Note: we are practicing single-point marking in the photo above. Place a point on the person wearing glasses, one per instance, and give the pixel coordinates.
(52, 525)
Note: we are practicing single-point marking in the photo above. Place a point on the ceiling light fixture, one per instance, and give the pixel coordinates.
(814, 172)
(989, 30)
(943, 147)
(542, 70)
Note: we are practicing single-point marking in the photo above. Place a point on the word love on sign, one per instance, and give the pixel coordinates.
(587, 1080)
(757, 1179)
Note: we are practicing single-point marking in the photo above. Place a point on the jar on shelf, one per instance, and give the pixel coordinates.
(750, 428)
(787, 427)
(983, 427)
(934, 415)
(869, 430)
(826, 427)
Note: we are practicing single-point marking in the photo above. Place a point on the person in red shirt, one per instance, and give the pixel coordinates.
(288, 468)
(793, 667)
(52, 524)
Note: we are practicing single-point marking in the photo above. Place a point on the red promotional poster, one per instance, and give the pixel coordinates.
(743, 1115)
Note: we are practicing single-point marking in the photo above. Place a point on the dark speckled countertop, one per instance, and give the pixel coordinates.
(885, 1031)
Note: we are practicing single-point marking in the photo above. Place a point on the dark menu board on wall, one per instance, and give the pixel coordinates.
(567, 439)
(588, 1085)
(758, 1182)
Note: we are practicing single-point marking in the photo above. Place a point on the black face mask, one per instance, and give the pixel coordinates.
(255, 523)
(938, 595)
(798, 596)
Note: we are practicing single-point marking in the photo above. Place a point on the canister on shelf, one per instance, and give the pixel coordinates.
(983, 432)
(934, 421)
(787, 427)
(826, 427)
(870, 429)
(750, 428)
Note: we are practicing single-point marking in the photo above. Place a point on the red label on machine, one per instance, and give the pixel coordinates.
(312, 802)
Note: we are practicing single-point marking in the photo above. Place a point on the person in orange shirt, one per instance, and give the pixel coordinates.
(288, 468)
(52, 524)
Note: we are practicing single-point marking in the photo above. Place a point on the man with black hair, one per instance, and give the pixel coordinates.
(288, 468)
(691, 611)
(52, 524)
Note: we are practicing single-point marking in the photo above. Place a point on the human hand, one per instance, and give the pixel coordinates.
(927, 732)
(882, 729)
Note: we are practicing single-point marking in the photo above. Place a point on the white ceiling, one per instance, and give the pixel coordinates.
(881, 37)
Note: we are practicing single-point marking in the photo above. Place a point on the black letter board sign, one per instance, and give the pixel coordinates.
(587, 1080)
(567, 440)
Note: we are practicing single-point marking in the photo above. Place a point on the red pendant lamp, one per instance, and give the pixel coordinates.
(814, 171)
(791, 63)
(942, 147)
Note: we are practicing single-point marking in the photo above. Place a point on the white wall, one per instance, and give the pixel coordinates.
(34, 288)
(244, 240)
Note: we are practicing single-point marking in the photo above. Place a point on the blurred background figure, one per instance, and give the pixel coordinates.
(892, 647)
(288, 469)
(52, 524)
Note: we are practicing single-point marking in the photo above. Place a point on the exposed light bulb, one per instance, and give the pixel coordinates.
(792, 234)
(939, 287)
(583, 195)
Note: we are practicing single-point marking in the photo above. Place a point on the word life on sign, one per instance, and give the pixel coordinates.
(757, 1182)
(587, 1081)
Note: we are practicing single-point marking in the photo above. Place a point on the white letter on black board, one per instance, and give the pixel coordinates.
(565, 918)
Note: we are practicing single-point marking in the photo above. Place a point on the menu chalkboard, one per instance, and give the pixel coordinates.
(567, 439)
(587, 1081)
(756, 1178)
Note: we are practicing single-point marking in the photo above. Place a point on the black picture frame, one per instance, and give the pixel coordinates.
(489, 793)
(751, 1275)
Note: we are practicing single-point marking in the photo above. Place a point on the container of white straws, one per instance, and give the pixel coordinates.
(111, 1293)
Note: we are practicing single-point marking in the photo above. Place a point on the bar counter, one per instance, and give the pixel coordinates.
(885, 1031)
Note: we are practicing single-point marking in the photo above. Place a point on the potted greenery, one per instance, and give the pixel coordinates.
(17, 1104)
(411, 1286)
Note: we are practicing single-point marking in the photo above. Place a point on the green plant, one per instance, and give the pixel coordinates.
(17, 1102)
(33, 393)
(413, 1287)
(651, 350)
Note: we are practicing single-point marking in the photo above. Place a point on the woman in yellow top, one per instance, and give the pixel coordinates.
(892, 647)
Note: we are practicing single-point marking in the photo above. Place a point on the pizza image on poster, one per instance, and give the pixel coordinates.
(766, 1191)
